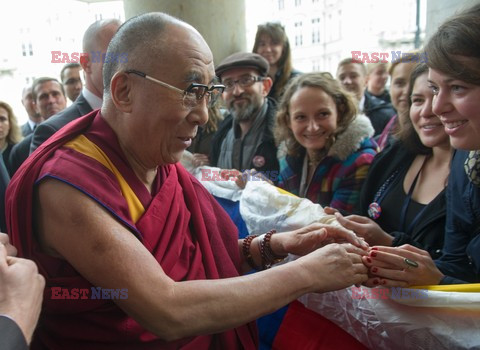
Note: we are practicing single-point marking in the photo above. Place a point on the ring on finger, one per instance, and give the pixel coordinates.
(410, 263)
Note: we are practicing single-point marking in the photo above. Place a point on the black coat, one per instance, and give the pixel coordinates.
(428, 233)
(50, 126)
(379, 112)
(11, 337)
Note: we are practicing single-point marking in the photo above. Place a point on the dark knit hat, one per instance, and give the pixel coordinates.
(243, 60)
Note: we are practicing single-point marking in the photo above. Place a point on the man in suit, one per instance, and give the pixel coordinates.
(49, 97)
(33, 117)
(95, 43)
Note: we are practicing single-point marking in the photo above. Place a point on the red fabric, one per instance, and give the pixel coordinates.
(304, 329)
(183, 227)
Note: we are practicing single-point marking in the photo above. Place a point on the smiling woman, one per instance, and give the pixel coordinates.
(328, 144)
(272, 43)
(412, 171)
(454, 78)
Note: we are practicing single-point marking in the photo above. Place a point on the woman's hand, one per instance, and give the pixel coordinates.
(366, 228)
(312, 237)
(401, 267)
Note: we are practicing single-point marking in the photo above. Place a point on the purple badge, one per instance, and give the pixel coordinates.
(258, 161)
(374, 210)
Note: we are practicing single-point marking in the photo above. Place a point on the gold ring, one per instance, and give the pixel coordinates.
(410, 263)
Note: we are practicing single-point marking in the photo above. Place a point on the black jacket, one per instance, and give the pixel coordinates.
(4, 180)
(428, 233)
(379, 112)
(266, 149)
(50, 126)
(11, 336)
(19, 153)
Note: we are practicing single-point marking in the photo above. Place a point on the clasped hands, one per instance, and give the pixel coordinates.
(388, 266)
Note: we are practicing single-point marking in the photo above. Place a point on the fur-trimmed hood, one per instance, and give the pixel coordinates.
(350, 140)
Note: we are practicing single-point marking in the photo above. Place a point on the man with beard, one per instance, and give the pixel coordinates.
(244, 139)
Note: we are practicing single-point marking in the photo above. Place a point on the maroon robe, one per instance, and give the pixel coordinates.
(180, 224)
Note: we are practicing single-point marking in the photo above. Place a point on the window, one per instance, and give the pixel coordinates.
(298, 3)
(315, 30)
(281, 4)
(298, 34)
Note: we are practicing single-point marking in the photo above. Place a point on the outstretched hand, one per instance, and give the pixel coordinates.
(312, 237)
(334, 267)
(364, 227)
(401, 267)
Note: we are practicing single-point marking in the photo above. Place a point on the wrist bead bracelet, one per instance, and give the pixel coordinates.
(269, 258)
(247, 241)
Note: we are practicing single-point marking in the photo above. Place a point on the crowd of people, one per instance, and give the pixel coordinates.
(112, 243)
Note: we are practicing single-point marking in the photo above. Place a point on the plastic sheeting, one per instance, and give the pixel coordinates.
(442, 320)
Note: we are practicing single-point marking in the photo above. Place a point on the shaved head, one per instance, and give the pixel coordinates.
(95, 32)
(140, 43)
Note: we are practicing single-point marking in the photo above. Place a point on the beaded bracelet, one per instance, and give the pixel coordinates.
(269, 258)
(246, 251)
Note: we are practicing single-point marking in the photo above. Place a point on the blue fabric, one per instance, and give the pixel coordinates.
(268, 327)
(461, 257)
(233, 210)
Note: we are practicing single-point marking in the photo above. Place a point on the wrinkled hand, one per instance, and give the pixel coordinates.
(4, 239)
(200, 159)
(312, 237)
(366, 228)
(334, 267)
(387, 267)
(21, 291)
(250, 175)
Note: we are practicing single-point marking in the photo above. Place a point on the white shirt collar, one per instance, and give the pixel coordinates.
(32, 124)
(361, 104)
(94, 101)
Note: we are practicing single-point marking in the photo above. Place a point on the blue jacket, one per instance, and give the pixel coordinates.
(460, 261)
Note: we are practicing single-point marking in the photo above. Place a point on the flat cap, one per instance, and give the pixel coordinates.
(243, 60)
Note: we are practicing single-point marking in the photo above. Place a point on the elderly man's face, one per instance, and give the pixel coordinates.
(166, 126)
(244, 102)
(49, 99)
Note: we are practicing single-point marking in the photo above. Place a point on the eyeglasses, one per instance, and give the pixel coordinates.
(244, 82)
(193, 94)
